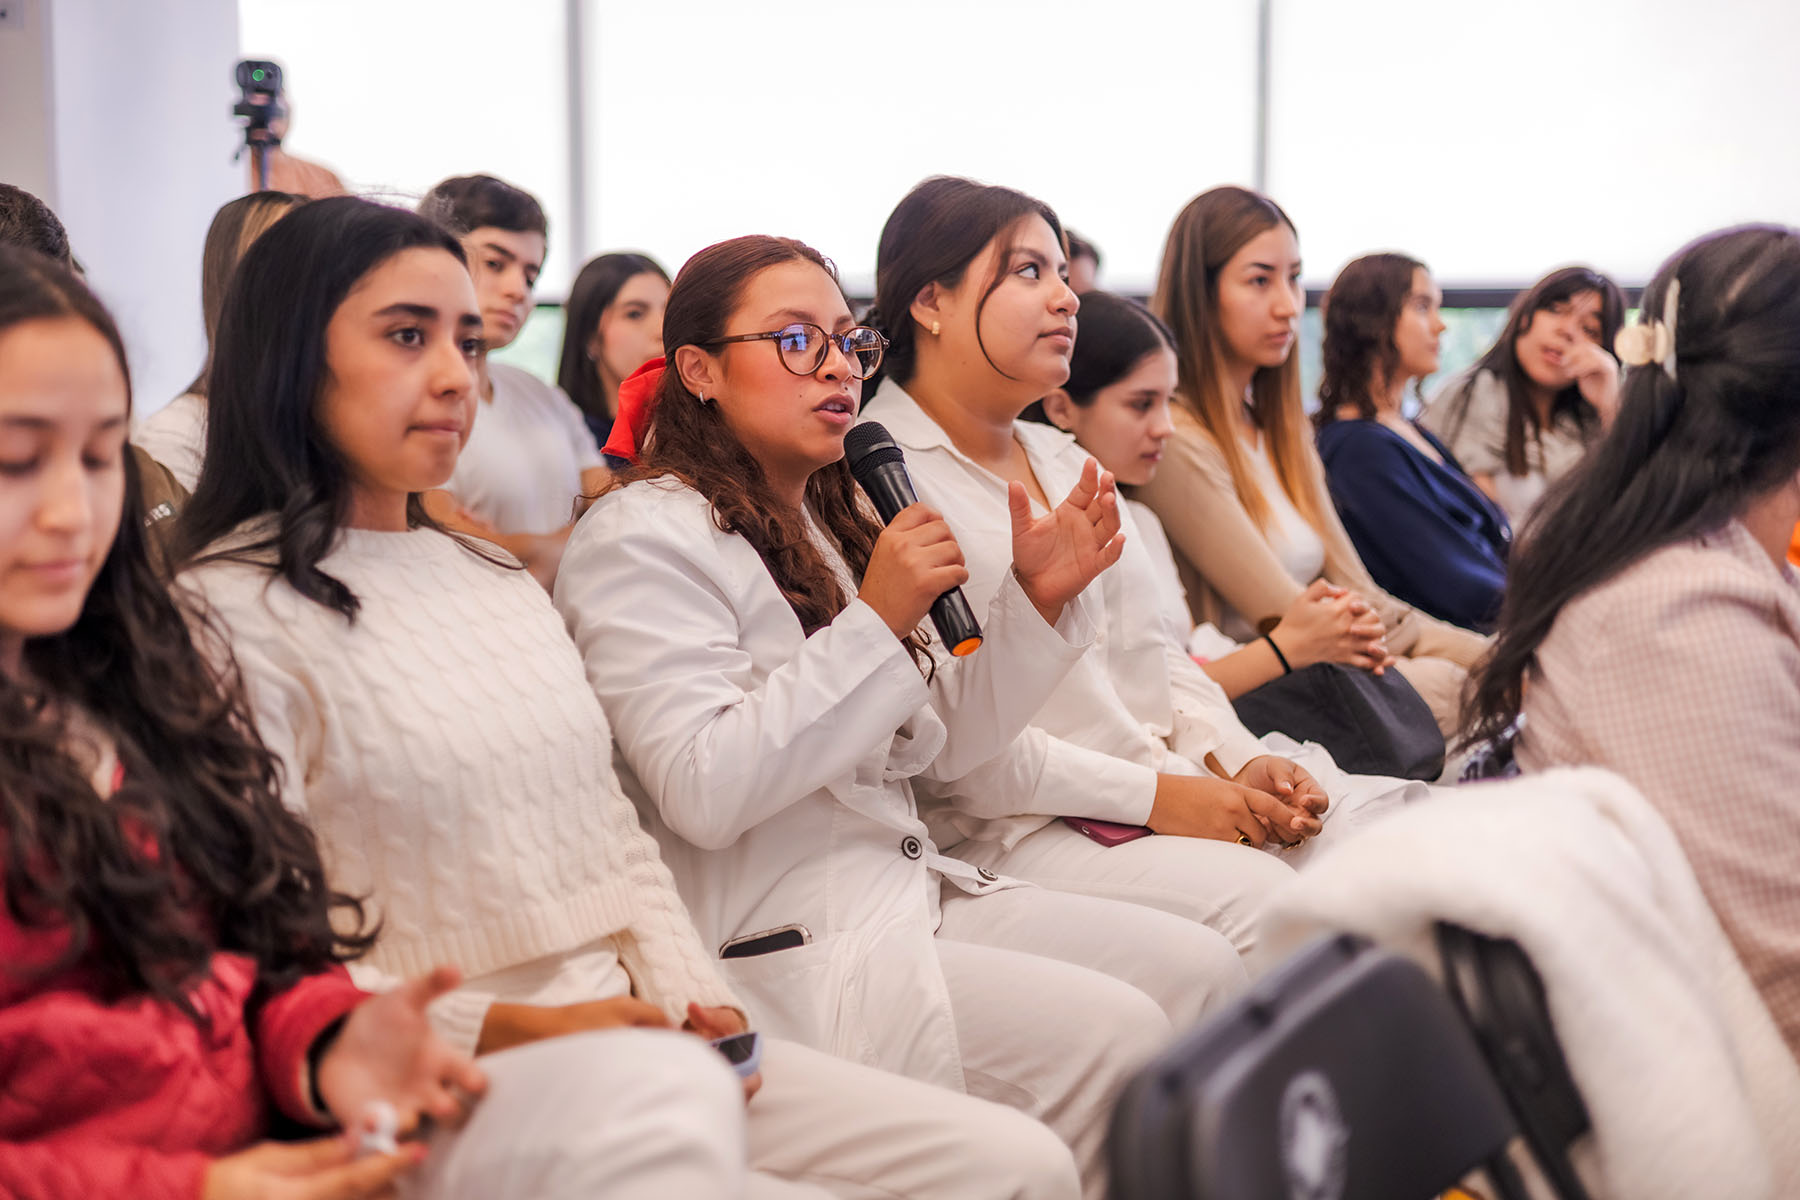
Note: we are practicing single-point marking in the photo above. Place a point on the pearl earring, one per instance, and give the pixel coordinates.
(934, 329)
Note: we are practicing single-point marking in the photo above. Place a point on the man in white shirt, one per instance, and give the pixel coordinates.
(530, 458)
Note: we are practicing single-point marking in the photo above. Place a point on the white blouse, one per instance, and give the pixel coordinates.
(1295, 542)
(1134, 706)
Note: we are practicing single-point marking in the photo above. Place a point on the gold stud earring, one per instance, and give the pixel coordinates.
(934, 329)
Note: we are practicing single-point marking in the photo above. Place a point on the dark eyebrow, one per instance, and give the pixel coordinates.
(792, 315)
(502, 251)
(424, 312)
(29, 422)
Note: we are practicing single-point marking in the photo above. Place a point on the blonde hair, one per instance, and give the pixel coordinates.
(1214, 226)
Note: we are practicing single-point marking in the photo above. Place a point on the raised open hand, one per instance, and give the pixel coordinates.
(388, 1051)
(1061, 552)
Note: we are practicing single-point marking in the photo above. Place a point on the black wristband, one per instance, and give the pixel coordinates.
(316, 1054)
(1279, 656)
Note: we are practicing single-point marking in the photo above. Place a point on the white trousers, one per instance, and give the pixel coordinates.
(625, 1114)
(1059, 998)
(1220, 885)
(824, 1126)
(650, 1115)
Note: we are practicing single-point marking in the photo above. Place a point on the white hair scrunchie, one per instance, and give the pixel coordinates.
(1652, 341)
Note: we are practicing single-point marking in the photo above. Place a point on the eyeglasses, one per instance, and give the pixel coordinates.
(803, 347)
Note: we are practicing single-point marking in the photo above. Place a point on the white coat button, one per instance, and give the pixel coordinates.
(911, 847)
(986, 874)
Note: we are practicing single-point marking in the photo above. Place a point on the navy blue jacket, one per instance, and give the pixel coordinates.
(1426, 533)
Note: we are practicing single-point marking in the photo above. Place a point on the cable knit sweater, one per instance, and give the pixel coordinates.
(458, 770)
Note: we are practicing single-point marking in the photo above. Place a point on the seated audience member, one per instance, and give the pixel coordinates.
(1084, 263)
(530, 457)
(1116, 404)
(175, 435)
(752, 633)
(424, 700)
(28, 223)
(172, 946)
(614, 326)
(1136, 734)
(1428, 535)
(1652, 624)
(1541, 396)
(1240, 491)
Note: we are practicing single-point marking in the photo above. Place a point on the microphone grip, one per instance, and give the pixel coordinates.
(890, 489)
(955, 623)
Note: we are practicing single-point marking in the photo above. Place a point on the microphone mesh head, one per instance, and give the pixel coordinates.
(868, 446)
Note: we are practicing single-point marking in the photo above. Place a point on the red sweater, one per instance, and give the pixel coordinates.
(131, 1099)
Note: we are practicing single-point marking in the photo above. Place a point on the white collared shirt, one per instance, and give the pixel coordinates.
(1135, 705)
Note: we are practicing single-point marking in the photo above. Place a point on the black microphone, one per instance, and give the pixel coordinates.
(880, 468)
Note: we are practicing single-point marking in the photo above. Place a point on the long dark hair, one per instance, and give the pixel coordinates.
(236, 225)
(1361, 310)
(195, 852)
(691, 442)
(1502, 361)
(591, 294)
(268, 372)
(932, 236)
(1213, 226)
(1684, 455)
(1117, 333)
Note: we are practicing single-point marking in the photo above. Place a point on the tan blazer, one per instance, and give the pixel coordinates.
(1682, 673)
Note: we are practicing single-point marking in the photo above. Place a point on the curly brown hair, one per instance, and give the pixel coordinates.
(195, 852)
(1361, 310)
(691, 442)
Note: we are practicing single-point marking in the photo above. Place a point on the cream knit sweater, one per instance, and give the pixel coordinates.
(457, 768)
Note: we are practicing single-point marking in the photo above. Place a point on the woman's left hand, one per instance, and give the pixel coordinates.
(387, 1050)
(1292, 784)
(1060, 553)
(1597, 375)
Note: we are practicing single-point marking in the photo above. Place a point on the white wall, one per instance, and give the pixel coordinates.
(395, 95)
(815, 126)
(117, 114)
(25, 144)
(141, 108)
(1497, 140)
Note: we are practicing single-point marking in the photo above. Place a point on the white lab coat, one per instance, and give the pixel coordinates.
(1136, 706)
(775, 768)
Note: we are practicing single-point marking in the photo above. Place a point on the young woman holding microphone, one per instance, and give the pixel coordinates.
(751, 631)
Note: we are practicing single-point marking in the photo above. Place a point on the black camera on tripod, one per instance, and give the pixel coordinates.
(261, 107)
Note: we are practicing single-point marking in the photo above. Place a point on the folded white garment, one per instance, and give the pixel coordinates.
(1691, 1089)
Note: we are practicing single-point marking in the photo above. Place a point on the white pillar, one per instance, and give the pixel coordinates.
(118, 114)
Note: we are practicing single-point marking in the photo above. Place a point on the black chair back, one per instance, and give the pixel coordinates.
(1345, 1074)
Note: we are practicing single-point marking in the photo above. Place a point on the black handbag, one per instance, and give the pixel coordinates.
(1372, 724)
